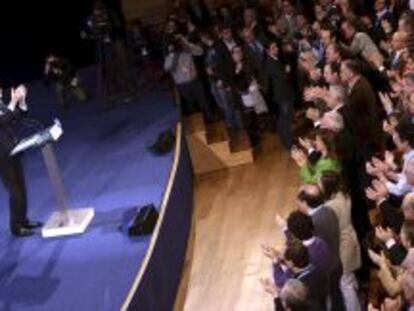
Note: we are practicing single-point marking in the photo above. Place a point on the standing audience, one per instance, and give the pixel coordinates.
(335, 78)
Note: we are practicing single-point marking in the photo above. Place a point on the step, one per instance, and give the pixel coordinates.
(217, 133)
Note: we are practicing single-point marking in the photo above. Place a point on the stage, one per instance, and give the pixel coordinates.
(105, 164)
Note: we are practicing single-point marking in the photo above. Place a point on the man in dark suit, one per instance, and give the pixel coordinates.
(280, 94)
(381, 13)
(255, 53)
(326, 226)
(398, 44)
(361, 116)
(296, 264)
(361, 113)
(11, 171)
(224, 48)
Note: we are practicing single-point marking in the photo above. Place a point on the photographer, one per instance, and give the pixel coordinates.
(61, 74)
(180, 64)
(116, 81)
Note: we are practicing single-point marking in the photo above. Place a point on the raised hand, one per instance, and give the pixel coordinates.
(386, 102)
(371, 169)
(299, 157)
(380, 187)
(383, 235)
(378, 259)
(305, 143)
(270, 287)
(379, 165)
(280, 222)
(388, 127)
(390, 160)
(313, 114)
(271, 253)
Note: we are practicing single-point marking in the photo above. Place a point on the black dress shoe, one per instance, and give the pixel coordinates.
(32, 224)
(22, 232)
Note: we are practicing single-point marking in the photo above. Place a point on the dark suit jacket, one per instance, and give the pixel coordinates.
(256, 59)
(361, 116)
(317, 284)
(327, 228)
(9, 121)
(225, 66)
(8, 138)
(378, 33)
(279, 90)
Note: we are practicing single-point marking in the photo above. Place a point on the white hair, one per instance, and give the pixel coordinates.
(294, 295)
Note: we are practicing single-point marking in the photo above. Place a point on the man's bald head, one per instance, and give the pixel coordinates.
(311, 196)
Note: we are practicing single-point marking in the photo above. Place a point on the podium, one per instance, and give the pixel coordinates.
(64, 221)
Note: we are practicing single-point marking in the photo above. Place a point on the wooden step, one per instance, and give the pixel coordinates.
(212, 149)
(217, 133)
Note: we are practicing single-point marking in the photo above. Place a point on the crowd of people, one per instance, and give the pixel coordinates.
(335, 79)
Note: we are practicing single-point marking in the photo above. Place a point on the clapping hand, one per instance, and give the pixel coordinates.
(313, 114)
(299, 156)
(379, 165)
(370, 169)
(384, 235)
(386, 102)
(380, 187)
(271, 253)
(390, 160)
(378, 259)
(270, 287)
(389, 304)
(305, 143)
(377, 192)
(388, 127)
(280, 222)
(309, 94)
(21, 91)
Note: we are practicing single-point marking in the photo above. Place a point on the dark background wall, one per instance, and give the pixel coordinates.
(29, 30)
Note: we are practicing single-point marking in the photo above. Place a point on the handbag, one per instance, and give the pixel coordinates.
(260, 105)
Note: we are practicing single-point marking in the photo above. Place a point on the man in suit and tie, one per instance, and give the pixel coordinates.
(280, 94)
(11, 170)
(255, 52)
(326, 226)
(398, 45)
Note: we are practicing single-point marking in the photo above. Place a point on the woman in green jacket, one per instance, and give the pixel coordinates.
(320, 156)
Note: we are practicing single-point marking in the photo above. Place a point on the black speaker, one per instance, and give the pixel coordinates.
(144, 221)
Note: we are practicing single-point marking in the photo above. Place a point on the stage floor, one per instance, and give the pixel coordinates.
(105, 164)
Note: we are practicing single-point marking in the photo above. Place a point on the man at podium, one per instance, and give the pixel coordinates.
(11, 170)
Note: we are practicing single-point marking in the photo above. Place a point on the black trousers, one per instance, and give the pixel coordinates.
(194, 98)
(284, 123)
(11, 173)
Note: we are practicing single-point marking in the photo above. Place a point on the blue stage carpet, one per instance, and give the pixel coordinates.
(106, 165)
